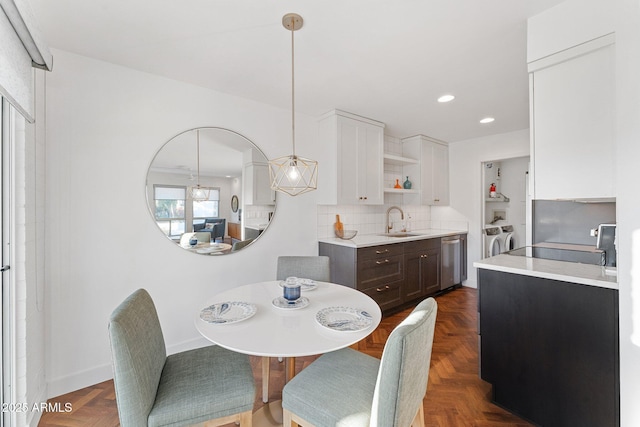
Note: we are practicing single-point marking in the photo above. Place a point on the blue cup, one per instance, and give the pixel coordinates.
(291, 289)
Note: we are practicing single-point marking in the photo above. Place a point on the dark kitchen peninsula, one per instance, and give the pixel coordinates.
(549, 340)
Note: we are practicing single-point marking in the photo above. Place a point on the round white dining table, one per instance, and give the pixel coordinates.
(286, 332)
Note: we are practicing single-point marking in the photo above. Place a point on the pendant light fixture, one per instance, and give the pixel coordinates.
(199, 194)
(293, 174)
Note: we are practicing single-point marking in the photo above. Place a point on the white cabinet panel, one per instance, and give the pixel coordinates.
(257, 185)
(573, 127)
(359, 145)
(433, 169)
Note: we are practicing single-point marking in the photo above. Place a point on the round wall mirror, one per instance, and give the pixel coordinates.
(208, 191)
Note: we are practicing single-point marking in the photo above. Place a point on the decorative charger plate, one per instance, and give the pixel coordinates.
(228, 312)
(281, 302)
(305, 284)
(344, 319)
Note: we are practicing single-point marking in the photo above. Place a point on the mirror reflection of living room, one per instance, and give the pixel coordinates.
(215, 226)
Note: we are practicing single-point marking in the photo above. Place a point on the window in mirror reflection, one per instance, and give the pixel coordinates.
(169, 208)
(206, 208)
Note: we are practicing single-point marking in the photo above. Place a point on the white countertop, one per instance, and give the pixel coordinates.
(259, 227)
(366, 240)
(585, 274)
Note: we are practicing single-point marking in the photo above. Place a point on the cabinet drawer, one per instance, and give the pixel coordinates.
(387, 296)
(380, 251)
(377, 271)
(420, 245)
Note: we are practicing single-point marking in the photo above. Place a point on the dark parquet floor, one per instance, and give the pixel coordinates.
(456, 396)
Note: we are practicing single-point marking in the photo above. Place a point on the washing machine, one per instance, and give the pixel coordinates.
(492, 241)
(507, 238)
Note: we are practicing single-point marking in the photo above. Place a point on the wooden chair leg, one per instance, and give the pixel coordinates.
(418, 421)
(246, 419)
(286, 419)
(289, 419)
(265, 379)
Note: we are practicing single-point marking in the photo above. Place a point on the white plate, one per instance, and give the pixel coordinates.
(209, 250)
(228, 312)
(344, 319)
(305, 284)
(280, 302)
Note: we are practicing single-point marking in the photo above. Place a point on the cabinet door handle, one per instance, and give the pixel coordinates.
(382, 252)
(436, 200)
(386, 288)
(386, 261)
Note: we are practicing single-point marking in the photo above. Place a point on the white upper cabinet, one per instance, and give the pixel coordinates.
(358, 144)
(257, 188)
(572, 122)
(432, 168)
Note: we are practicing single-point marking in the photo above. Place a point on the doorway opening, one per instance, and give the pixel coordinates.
(505, 205)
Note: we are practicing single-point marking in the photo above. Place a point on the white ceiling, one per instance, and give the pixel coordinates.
(388, 60)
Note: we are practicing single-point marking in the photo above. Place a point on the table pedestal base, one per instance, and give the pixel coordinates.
(269, 415)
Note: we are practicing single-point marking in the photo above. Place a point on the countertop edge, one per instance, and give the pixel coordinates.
(584, 274)
(368, 240)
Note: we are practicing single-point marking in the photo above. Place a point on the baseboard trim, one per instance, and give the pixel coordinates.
(79, 380)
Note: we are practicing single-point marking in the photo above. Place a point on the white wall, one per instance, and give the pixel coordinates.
(104, 125)
(573, 22)
(466, 186)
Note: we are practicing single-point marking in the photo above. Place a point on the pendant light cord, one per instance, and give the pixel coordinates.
(293, 102)
(198, 154)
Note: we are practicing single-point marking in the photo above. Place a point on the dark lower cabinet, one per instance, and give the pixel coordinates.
(550, 349)
(392, 274)
(422, 261)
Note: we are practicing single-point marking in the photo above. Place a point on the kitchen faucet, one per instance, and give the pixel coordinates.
(389, 226)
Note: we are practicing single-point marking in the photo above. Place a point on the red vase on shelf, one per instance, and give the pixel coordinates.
(397, 184)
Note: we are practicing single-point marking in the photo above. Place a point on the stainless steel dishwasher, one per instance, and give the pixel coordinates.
(450, 268)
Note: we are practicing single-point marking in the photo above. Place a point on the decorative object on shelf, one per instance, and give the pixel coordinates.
(234, 204)
(292, 174)
(198, 193)
(492, 190)
(407, 184)
(397, 184)
(338, 227)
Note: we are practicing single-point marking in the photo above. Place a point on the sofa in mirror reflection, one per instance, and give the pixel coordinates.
(215, 226)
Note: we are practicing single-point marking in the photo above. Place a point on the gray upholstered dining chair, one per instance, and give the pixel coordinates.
(309, 267)
(203, 237)
(349, 388)
(240, 244)
(205, 384)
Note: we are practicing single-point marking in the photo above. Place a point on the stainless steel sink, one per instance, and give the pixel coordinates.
(399, 234)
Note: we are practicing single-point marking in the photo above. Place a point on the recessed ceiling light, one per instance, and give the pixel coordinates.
(487, 120)
(446, 98)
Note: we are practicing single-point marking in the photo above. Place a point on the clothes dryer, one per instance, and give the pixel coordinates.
(492, 242)
(507, 238)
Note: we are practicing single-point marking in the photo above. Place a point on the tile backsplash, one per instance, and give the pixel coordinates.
(372, 219)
